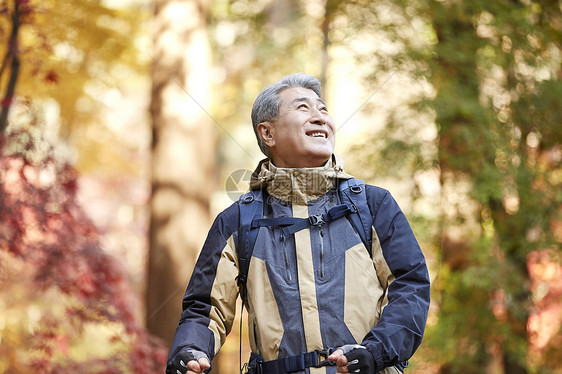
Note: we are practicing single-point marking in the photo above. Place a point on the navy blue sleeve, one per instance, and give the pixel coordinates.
(193, 331)
(400, 329)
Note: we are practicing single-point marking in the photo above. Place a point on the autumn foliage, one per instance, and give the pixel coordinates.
(66, 305)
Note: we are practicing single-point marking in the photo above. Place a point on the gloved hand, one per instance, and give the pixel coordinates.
(181, 362)
(357, 359)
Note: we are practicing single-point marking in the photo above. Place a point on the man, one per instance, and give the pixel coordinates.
(319, 299)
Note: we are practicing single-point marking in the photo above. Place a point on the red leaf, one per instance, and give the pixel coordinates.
(52, 77)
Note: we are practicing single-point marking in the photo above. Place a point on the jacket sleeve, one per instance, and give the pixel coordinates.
(209, 303)
(400, 329)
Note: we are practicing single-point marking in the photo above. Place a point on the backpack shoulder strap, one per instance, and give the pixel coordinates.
(352, 191)
(250, 208)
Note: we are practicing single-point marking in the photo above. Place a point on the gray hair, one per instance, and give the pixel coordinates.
(266, 106)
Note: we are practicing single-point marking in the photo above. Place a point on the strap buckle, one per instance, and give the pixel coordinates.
(254, 367)
(316, 220)
(322, 357)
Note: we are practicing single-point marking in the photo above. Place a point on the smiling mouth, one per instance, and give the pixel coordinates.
(317, 134)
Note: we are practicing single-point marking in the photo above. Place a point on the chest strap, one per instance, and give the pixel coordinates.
(290, 364)
(292, 225)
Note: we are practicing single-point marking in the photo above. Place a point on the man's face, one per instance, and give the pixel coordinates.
(303, 134)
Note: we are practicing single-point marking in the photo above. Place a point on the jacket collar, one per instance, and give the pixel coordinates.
(298, 185)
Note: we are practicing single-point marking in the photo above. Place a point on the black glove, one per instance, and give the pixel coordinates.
(359, 359)
(180, 360)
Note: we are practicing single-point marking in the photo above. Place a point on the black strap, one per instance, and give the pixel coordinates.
(250, 208)
(278, 221)
(290, 364)
(352, 192)
(292, 225)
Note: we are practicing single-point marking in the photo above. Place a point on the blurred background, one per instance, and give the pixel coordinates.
(125, 128)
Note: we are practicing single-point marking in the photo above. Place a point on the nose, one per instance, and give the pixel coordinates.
(317, 117)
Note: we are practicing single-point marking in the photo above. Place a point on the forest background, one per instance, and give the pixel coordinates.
(124, 129)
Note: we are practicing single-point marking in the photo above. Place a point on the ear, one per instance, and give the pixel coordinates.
(267, 133)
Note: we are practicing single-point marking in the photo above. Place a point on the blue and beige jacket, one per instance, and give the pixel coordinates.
(319, 288)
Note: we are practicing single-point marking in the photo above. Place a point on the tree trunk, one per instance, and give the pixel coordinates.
(12, 54)
(183, 157)
(330, 9)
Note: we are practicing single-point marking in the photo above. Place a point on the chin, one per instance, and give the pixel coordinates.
(323, 154)
(318, 159)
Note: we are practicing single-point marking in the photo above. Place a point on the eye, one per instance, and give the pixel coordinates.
(323, 109)
(301, 106)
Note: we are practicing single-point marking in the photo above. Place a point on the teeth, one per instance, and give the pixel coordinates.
(318, 135)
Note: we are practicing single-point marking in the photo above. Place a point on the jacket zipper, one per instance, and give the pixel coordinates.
(321, 231)
(289, 276)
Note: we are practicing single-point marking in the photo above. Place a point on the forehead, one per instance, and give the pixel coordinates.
(291, 94)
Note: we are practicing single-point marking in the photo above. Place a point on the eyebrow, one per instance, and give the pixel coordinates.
(299, 99)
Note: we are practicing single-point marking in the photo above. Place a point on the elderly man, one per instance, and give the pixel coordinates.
(330, 272)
